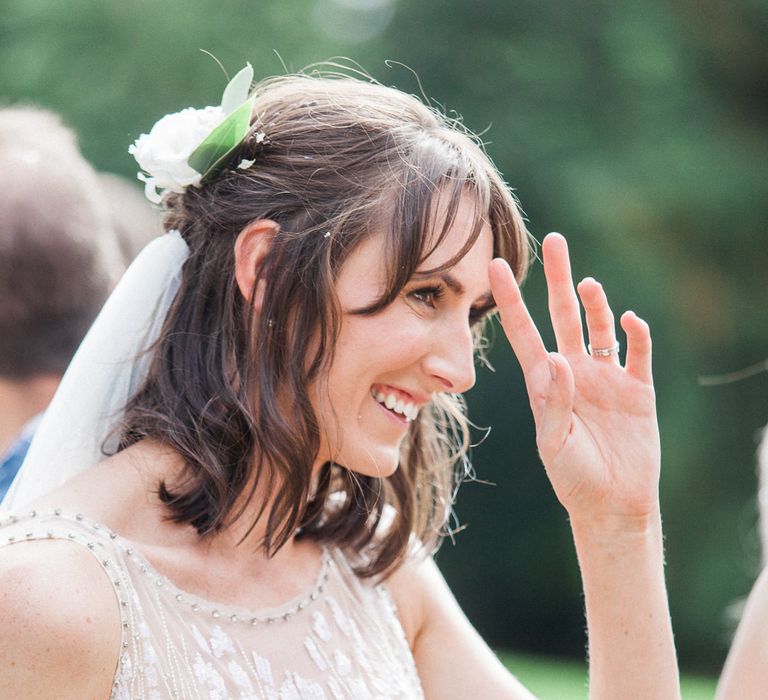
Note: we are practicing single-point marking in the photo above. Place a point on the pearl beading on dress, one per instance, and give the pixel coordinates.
(192, 601)
(367, 662)
(159, 580)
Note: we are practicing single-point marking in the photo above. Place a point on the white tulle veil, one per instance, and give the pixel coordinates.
(108, 367)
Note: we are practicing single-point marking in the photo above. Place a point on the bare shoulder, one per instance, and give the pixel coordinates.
(60, 622)
(746, 669)
(412, 586)
(451, 658)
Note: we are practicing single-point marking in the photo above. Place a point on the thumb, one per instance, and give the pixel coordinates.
(555, 421)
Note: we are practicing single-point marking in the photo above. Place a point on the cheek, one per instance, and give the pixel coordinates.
(353, 429)
(376, 345)
(368, 350)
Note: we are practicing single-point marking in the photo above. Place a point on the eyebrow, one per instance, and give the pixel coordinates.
(485, 301)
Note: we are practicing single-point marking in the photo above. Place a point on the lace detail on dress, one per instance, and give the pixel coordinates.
(341, 640)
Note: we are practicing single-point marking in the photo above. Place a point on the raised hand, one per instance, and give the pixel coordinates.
(595, 420)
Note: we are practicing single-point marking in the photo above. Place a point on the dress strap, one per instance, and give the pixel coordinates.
(32, 526)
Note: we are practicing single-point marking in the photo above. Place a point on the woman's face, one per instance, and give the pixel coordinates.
(387, 366)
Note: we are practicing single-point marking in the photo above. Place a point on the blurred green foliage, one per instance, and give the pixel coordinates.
(555, 679)
(638, 129)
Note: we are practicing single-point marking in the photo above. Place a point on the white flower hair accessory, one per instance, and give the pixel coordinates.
(184, 148)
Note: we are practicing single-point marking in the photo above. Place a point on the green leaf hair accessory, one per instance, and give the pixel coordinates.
(185, 148)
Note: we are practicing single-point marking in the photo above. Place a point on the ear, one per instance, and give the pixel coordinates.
(251, 247)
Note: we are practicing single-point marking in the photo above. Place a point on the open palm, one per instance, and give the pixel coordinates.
(595, 420)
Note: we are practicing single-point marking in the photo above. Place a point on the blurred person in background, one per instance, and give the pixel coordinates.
(58, 260)
(134, 221)
(745, 675)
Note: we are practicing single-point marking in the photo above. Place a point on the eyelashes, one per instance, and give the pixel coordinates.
(430, 295)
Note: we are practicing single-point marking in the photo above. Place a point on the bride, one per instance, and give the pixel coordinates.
(277, 382)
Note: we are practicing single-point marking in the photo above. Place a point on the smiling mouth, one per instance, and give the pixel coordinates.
(402, 408)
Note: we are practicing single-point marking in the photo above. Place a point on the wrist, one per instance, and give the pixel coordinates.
(616, 532)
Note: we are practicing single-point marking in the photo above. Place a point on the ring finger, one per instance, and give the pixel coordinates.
(600, 323)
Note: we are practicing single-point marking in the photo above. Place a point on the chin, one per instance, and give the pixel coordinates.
(375, 466)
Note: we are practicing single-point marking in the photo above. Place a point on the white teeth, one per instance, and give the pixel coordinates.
(396, 405)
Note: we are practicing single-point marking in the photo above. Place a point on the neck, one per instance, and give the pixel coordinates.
(155, 462)
(20, 401)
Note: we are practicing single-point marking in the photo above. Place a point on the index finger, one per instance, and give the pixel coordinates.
(518, 325)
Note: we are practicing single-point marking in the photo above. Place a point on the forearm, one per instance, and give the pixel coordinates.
(631, 649)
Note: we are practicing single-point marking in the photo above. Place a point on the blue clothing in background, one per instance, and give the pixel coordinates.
(11, 460)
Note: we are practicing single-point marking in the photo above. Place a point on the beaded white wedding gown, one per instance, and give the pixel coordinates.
(342, 639)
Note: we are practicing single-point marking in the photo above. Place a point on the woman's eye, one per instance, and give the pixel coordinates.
(426, 295)
(477, 316)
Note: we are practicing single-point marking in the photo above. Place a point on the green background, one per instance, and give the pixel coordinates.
(636, 128)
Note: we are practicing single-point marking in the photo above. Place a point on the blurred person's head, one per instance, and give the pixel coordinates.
(134, 221)
(58, 254)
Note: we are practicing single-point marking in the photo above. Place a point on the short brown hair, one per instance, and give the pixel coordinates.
(343, 159)
(58, 256)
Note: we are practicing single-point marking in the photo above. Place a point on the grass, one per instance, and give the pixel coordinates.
(556, 679)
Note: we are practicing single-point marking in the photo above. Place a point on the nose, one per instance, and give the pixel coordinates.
(450, 361)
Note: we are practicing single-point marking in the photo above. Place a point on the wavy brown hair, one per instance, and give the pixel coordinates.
(229, 389)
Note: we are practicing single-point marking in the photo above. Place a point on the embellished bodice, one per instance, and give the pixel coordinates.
(341, 639)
